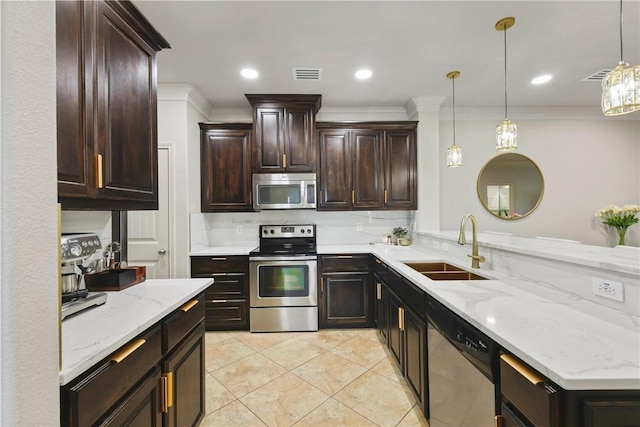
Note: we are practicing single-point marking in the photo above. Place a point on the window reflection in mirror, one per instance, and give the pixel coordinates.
(510, 186)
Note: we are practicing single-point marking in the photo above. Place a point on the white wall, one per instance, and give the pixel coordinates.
(30, 243)
(586, 164)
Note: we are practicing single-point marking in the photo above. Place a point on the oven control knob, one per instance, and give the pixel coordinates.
(265, 231)
(302, 231)
(309, 230)
(272, 231)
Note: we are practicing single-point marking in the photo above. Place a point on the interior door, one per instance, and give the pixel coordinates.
(148, 231)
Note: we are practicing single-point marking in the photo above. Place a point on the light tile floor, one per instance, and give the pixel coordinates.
(333, 378)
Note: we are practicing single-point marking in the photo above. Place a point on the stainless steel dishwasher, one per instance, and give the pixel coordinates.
(462, 371)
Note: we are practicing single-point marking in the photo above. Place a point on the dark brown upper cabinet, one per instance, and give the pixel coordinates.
(367, 166)
(284, 132)
(225, 167)
(106, 106)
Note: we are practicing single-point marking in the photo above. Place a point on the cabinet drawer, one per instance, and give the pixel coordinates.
(227, 314)
(90, 398)
(229, 286)
(208, 266)
(344, 263)
(177, 325)
(527, 391)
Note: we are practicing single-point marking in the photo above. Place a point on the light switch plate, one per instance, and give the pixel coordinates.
(608, 289)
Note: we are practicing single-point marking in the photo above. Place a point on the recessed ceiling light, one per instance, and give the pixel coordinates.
(363, 74)
(249, 73)
(541, 79)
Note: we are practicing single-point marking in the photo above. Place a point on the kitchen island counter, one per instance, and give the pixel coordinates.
(91, 335)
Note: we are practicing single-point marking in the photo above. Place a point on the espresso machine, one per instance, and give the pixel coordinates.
(76, 249)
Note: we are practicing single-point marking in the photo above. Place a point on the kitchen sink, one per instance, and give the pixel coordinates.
(443, 271)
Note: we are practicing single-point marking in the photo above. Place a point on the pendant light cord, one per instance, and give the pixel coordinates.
(505, 73)
(453, 83)
(621, 60)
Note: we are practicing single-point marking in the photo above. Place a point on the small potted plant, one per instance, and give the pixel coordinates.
(400, 233)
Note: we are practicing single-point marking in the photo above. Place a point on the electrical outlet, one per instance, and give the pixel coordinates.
(445, 246)
(436, 244)
(239, 229)
(358, 226)
(608, 289)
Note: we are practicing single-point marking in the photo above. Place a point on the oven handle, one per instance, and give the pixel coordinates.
(284, 258)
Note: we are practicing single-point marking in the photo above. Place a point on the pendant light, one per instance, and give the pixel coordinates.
(507, 131)
(454, 153)
(621, 86)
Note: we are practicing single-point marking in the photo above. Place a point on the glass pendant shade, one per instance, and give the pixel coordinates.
(621, 90)
(454, 156)
(506, 136)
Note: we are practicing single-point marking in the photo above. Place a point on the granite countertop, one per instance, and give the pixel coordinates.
(578, 344)
(91, 335)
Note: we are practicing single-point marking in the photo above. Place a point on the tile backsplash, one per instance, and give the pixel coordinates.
(333, 228)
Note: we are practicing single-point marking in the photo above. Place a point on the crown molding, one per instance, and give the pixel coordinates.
(184, 92)
(237, 114)
(430, 104)
(330, 114)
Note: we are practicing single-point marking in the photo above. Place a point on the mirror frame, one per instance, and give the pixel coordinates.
(484, 204)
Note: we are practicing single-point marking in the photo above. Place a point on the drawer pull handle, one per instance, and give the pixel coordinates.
(378, 261)
(169, 390)
(345, 256)
(218, 300)
(531, 376)
(218, 274)
(125, 352)
(284, 161)
(188, 306)
(218, 259)
(385, 196)
(379, 290)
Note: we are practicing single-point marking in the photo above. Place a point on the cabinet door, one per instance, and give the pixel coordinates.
(125, 98)
(610, 412)
(184, 373)
(335, 170)
(141, 407)
(299, 142)
(269, 139)
(382, 305)
(400, 170)
(76, 175)
(395, 334)
(367, 169)
(346, 300)
(225, 170)
(415, 339)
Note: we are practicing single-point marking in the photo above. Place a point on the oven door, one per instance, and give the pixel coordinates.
(283, 281)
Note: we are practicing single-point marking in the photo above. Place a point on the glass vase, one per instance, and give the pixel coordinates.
(622, 232)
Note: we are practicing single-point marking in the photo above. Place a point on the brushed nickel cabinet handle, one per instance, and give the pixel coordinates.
(284, 161)
(188, 306)
(385, 196)
(345, 256)
(218, 274)
(379, 290)
(99, 171)
(126, 352)
(516, 364)
(218, 259)
(353, 196)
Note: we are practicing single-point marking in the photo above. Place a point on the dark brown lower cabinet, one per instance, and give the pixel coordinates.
(156, 379)
(395, 336)
(185, 368)
(346, 297)
(142, 407)
(415, 350)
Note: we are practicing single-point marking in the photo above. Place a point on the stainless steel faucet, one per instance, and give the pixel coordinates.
(475, 258)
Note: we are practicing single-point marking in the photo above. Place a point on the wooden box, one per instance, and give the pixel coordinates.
(115, 279)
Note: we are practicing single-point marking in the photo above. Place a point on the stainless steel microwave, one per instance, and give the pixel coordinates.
(284, 191)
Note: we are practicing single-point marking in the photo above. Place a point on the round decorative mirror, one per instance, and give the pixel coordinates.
(510, 186)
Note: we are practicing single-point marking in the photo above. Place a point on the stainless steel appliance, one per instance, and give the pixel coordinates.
(284, 191)
(283, 282)
(76, 249)
(462, 371)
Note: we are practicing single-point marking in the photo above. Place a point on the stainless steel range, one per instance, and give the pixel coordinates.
(283, 282)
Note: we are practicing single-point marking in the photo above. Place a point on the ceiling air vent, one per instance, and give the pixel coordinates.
(597, 76)
(307, 73)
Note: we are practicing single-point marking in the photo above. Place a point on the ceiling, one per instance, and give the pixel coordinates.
(409, 45)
